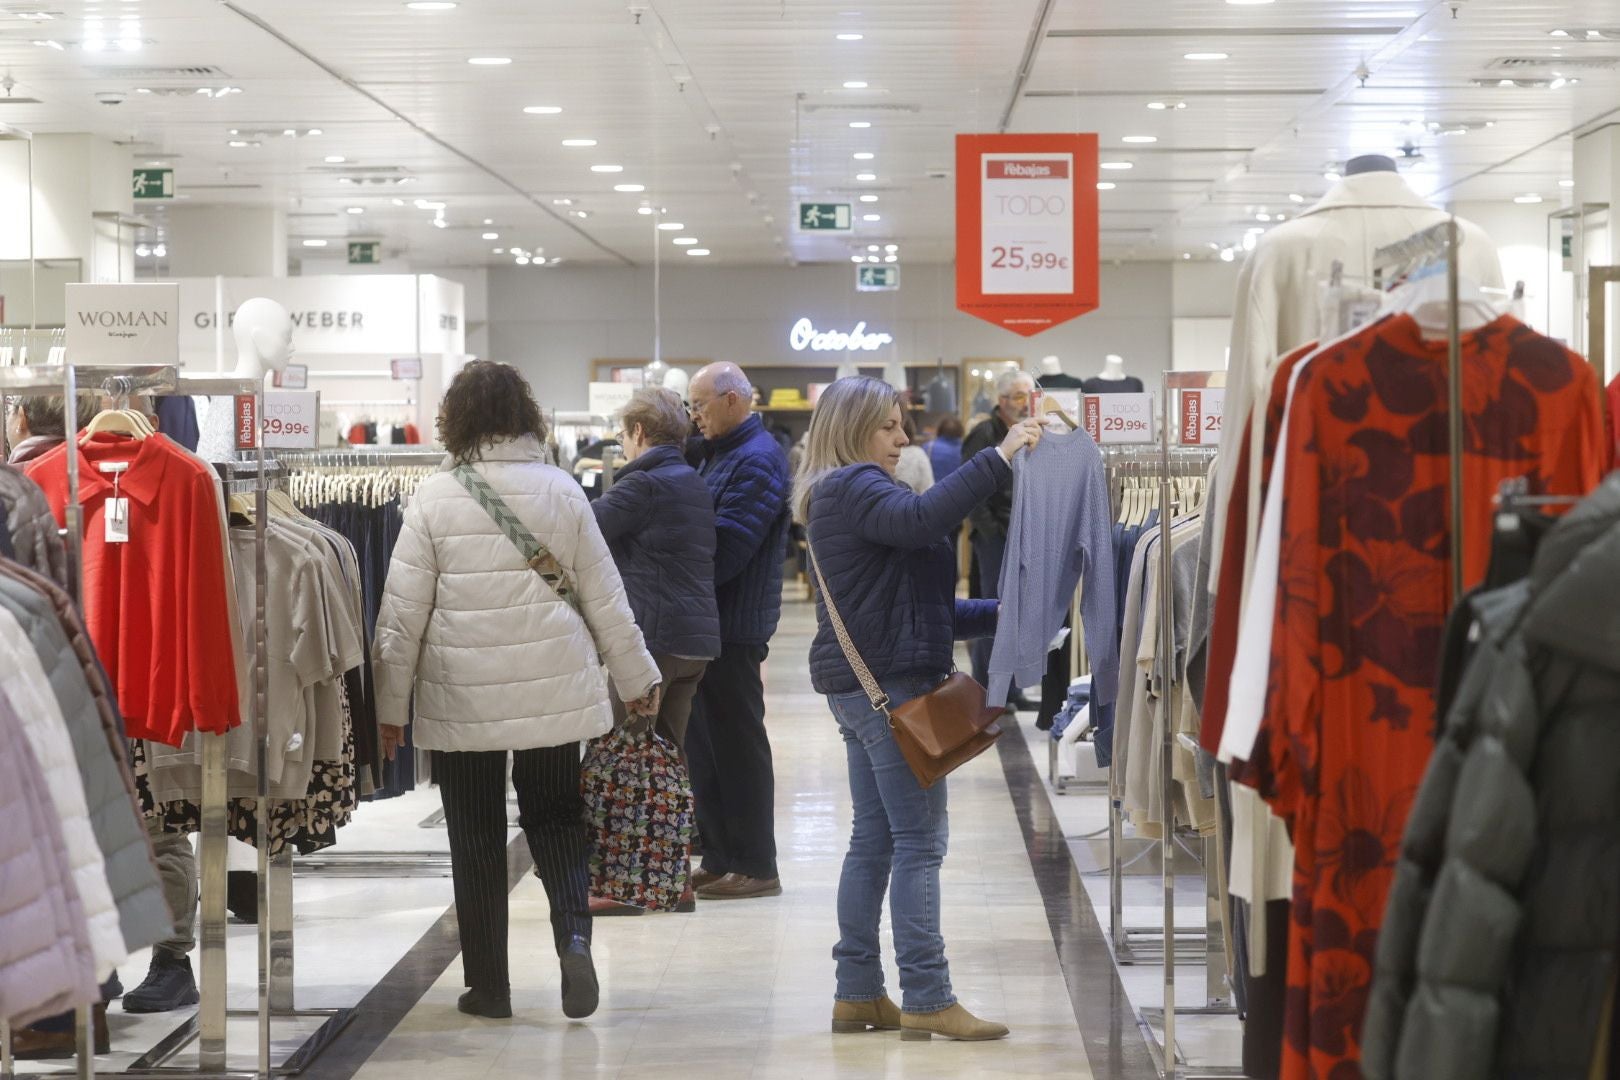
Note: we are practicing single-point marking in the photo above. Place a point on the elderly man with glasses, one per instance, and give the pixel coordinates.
(727, 749)
(1015, 392)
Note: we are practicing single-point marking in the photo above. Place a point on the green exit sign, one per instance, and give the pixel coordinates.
(877, 278)
(154, 184)
(825, 217)
(365, 252)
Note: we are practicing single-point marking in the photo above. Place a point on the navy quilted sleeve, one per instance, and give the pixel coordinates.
(886, 512)
(745, 511)
(976, 619)
(622, 509)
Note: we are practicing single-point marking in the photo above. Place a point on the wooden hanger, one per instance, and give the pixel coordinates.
(1050, 406)
(118, 422)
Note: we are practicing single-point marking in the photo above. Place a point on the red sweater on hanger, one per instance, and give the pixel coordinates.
(155, 605)
(1363, 593)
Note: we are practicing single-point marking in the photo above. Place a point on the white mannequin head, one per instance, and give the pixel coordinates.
(1050, 365)
(1113, 367)
(677, 380)
(263, 332)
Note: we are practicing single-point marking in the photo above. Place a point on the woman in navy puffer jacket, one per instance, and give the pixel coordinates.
(890, 567)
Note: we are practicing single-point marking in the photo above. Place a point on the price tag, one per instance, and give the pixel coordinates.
(293, 377)
(1119, 418)
(247, 423)
(1201, 414)
(1027, 224)
(116, 517)
(405, 370)
(292, 419)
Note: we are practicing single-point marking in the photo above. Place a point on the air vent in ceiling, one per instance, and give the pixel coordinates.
(200, 71)
(358, 170)
(8, 100)
(869, 107)
(223, 187)
(1583, 63)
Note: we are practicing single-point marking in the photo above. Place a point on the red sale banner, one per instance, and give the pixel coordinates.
(247, 424)
(1026, 229)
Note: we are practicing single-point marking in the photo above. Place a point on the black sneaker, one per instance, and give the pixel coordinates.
(579, 987)
(486, 1003)
(169, 985)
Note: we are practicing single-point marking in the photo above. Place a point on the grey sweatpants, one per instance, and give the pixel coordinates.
(177, 870)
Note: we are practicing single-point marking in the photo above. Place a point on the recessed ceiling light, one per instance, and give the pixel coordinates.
(1296, 198)
(542, 110)
(1566, 183)
(891, 258)
(315, 243)
(857, 258)
(497, 251)
(700, 252)
(644, 211)
(397, 202)
(891, 248)
(1331, 177)
(1527, 200)
(314, 131)
(1262, 217)
(335, 159)
(579, 142)
(607, 168)
(522, 260)
(431, 5)
(864, 155)
(238, 144)
(685, 241)
(869, 198)
(873, 247)
(671, 226)
(1143, 139)
(871, 217)
(562, 202)
(860, 125)
(1205, 56)
(1117, 166)
(855, 84)
(492, 236)
(357, 210)
(850, 37)
(582, 214)
(489, 61)
(630, 189)
(866, 176)
(1106, 185)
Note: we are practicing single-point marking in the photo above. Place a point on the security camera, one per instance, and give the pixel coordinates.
(111, 97)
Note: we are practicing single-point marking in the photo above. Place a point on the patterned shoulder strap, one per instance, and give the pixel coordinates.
(540, 560)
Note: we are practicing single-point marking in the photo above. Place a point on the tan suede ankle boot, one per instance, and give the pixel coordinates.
(954, 1022)
(850, 1017)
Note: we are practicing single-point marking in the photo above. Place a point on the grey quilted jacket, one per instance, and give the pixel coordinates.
(143, 915)
(35, 536)
(1498, 948)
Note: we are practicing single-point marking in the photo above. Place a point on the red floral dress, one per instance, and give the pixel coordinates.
(1362, 600)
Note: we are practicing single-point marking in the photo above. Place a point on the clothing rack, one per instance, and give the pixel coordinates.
(1433, 247)
(1165, 1054)
(208, 1025)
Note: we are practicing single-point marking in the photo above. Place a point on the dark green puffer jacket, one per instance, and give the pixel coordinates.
(1498, 948)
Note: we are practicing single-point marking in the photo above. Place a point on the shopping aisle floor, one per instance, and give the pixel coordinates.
(743, 990)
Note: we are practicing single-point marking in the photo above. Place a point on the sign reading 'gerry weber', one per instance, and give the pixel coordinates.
(123, 324)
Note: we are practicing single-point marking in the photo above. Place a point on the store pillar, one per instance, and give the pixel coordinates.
(78, 187)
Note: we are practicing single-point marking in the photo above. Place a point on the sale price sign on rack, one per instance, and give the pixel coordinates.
(1119, 418)
(1201, 414)
(1026, 229)
(292, 419)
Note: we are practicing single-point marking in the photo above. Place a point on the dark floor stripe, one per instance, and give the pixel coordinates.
(1108, 1028)
(388, 1003)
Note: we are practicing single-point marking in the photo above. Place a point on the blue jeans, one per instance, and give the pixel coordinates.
(900, 830)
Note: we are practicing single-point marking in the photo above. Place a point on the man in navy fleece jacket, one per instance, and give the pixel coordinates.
(728, 752)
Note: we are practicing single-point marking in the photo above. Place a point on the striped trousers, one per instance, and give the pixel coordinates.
(551, 812)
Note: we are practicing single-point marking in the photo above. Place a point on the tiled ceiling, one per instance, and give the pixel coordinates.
(729, 111)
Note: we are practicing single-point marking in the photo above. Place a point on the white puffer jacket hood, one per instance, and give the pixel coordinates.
(497, 660)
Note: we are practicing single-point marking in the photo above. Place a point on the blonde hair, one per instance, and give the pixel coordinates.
(850, 411)
(660, 415)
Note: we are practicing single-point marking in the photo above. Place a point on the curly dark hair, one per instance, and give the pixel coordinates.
(487, 401)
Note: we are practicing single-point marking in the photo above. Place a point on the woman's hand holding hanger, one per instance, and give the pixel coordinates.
(1024, 433)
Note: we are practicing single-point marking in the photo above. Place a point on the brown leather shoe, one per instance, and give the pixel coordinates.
(702, 879)
(30, 1045)
(954, 1022)
(850, 1017)
(740, 887)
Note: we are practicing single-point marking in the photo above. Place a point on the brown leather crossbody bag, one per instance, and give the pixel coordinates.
(937, 733)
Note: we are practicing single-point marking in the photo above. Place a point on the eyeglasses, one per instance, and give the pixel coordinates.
(695, 407)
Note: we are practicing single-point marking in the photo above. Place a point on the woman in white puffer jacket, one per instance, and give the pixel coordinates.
(498, 661)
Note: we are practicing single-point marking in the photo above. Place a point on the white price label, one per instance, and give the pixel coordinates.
(1027, 224)
(116, 517)
(292, 419)
(1119, 418)
(1201, 414)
